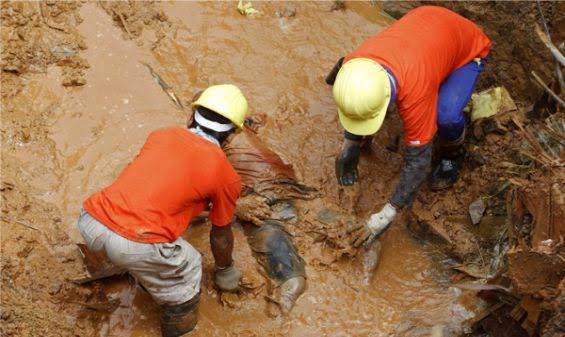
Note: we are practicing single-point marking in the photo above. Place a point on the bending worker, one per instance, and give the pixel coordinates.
(428, 63)
(138, 220)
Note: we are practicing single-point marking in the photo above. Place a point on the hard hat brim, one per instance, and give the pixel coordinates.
(196, 104)
(362, 127)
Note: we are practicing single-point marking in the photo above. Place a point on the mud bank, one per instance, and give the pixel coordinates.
(518, 242)
(60, 144)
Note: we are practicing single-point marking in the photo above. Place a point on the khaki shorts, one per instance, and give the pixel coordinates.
(170, 272)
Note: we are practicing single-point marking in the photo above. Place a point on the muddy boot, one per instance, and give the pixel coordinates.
(451, 154)
(290, 291)
(177, 320)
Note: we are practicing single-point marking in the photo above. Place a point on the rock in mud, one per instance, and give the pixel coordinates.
(450, 233)
(476, 210)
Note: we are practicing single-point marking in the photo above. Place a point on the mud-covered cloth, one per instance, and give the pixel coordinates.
(263, 172)
(170, 272)
(417, 166)
(275, 252)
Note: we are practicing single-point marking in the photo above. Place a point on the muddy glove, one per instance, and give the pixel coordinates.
(377, 224)
(346, 163)
(227, 279)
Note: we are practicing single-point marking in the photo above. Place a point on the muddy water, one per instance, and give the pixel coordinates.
(280, 64)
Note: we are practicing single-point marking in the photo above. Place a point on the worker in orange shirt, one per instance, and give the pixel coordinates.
(427, 63)
(138, 220)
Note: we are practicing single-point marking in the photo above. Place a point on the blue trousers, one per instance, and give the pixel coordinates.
(454, 94)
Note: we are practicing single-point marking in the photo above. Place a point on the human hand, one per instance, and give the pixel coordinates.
(346, 164)
(227, 279)
(377, 224)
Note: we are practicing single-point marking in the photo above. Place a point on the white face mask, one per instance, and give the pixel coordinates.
(215, 126)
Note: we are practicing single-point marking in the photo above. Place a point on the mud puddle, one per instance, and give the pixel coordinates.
(280, 63)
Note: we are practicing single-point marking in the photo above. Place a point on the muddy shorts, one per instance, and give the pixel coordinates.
(170, 272)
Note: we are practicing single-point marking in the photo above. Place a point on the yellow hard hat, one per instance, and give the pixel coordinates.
(362, 93)
(226, 100)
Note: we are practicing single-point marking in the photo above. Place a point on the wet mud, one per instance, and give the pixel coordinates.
(62, 143)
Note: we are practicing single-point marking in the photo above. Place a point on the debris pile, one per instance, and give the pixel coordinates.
(36, 35)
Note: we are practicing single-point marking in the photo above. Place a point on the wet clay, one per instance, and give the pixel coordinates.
(62, 144)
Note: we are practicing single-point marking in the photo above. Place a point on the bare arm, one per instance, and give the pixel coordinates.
(221, 242)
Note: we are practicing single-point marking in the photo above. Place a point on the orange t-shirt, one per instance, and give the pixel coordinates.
(422, 49)
(173, 178)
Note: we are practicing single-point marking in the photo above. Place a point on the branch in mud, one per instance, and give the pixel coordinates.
(540, 155)
(124, 24)
(552, 48)
(560, 59)
(165, 86)
(548, 89)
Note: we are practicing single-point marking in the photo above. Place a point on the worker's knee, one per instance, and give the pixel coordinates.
(451, 120)
(450, 110)
(178, 269)
(170, 271)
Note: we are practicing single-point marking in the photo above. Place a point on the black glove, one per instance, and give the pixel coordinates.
(330, 79)
(346, 165)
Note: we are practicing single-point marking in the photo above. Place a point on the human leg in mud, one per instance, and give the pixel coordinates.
(137, 221)
(279, 258)
(413, 68)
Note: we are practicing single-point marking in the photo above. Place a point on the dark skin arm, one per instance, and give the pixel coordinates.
(221, 241)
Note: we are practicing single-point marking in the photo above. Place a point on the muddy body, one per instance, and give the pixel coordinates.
(272, 187)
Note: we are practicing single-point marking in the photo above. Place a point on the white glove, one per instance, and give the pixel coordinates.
(379, 222)
(227, 279)
(376, 225)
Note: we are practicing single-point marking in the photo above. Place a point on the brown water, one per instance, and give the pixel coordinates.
(280, 64)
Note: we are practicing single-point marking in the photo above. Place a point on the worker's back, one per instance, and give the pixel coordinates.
(174, 177)
(422, 49)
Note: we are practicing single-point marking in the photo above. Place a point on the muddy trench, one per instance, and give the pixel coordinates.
(78, 102)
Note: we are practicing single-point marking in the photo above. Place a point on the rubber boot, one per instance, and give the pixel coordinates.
(179, 319)
(446, 172)
(290, 291)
